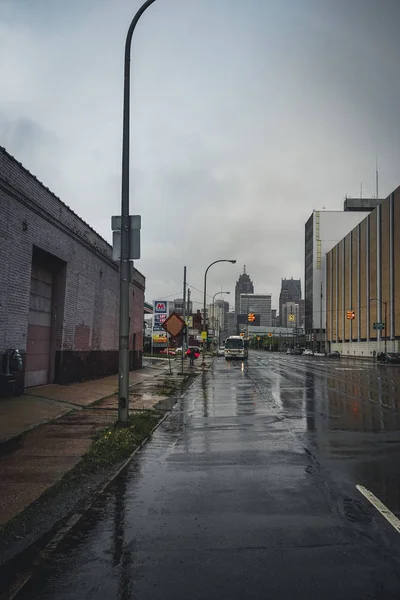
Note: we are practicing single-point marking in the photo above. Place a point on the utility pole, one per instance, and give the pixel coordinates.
(320, 324)
(184, 315)
(188, 313)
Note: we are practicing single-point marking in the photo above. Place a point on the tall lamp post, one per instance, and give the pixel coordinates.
(205, 299)
(124, 271)
(385, 323)
(213, 305)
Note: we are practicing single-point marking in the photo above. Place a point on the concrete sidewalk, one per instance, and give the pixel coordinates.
(45, 403)
(50, 428)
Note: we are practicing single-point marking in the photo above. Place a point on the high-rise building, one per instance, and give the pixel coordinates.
(323, 230)
(290, 292)
(290, 316)
(231, 319)
(244, 285)
(259, 304)
(274, 318)
(363, 284)
(177, 306)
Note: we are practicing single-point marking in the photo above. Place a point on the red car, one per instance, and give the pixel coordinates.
(170, 351)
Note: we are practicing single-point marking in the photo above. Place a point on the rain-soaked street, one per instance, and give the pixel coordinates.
(248, 490)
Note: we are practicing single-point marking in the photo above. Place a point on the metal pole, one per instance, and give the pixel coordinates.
(320, 324)
(188, 314)
(204, 316)
(385, 303)
(203, 364)
(124, 293)
(213, 313)
(184, 315)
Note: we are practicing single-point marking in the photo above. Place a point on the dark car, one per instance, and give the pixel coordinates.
(334, 354)
(392, 358)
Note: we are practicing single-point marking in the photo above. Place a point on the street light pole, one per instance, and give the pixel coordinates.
(203, 364)
(385, 323)
(124, 270)
(213, 307)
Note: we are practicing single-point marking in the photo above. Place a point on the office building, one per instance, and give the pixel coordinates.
(231, 319)
(274, 318)
(363, 283)
(177, 306)
(290, 315)
(259, 304)
(323, 230)
(290, 292)
(244, 285)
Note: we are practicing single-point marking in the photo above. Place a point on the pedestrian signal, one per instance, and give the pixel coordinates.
(350, 314)
(251, 317)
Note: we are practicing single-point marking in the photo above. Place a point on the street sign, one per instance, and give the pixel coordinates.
(193, 332)
(291, 317)
(204, 335)
(189, 321)
(159, 338)
(134, 237)
(160, 306)
(379, 326)
(174, 325)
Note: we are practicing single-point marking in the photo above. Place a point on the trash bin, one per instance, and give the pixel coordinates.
(12, 364)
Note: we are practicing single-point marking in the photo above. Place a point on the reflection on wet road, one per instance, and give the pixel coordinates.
(227, 501)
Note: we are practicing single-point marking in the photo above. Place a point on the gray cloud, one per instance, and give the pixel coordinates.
(245, 117)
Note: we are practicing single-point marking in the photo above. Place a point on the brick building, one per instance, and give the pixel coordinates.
(59, 287)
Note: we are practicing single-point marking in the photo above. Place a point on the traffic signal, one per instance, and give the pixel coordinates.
(350, 314)
(251, 317)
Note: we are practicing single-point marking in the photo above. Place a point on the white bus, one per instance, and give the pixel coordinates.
(236, 347)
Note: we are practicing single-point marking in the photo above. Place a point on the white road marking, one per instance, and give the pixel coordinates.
(385, 512)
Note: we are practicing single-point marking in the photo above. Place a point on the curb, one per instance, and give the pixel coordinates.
(73, 519)
(45, 553)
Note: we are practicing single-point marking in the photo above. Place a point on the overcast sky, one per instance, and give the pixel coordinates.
(246, 115)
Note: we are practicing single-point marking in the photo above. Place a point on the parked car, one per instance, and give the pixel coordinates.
(170, 351)
(178, 350)
(334, 354)
(308, 352)
(221, 351)
(392, 358)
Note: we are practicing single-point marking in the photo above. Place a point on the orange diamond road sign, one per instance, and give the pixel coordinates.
(174, 324)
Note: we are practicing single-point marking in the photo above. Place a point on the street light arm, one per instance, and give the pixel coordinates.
(126, 107)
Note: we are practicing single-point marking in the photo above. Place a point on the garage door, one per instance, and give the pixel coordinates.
(38, 348)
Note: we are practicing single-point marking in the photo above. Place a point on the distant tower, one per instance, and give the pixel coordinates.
(244, 285)
(290, 292)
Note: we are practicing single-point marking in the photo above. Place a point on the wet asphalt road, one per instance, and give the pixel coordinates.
(248, 491)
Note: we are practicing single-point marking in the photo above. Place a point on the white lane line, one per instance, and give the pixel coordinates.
(385, 512)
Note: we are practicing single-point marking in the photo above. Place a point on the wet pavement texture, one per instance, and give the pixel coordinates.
(247, 490)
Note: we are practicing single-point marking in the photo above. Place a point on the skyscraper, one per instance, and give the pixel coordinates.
(244, 285)
(290, 292)
(259, 304)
